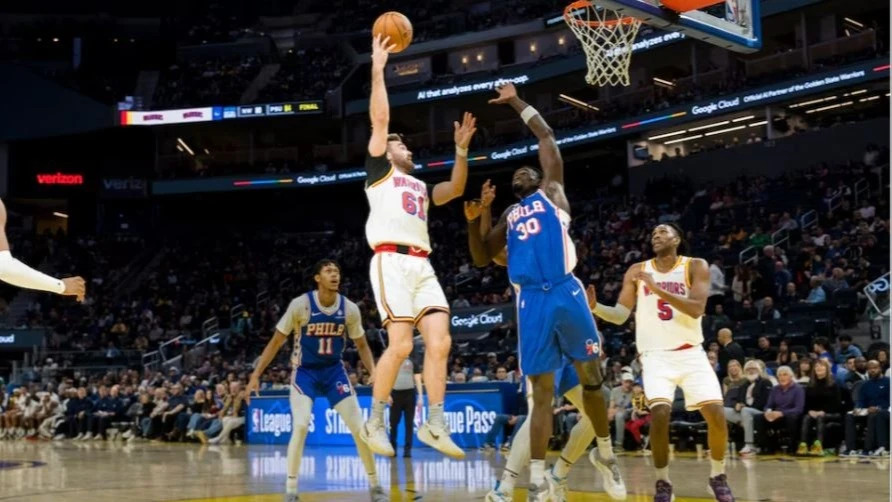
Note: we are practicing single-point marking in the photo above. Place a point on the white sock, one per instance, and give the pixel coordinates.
(717, 467)
(663, 473)
(291, 485)
(537, 472)
(378, 411)
(509, 477)
(605, 448)
(561, 468)
(350, 413)
(435, 416)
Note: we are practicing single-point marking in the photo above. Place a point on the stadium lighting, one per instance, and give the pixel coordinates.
(679, 140)
(741, 119)
(757, 124)
(667, 135)
(720, 131)
(710, 126)
(60, 215)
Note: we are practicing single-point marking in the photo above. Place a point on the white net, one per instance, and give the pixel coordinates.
(606, 38)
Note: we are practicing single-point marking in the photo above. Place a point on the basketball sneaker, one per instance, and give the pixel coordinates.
(438, 438)
(497, 495)
(378, 494)
(539, 493)
(613, 479)
(375, 436)
(291, 497)
(802, 450)
(720, 489)
(664, 492)
(557, 486)
(817, 449)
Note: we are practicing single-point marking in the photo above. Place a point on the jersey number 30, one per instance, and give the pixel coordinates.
(665, 309)
(527, 228)
(414, 205)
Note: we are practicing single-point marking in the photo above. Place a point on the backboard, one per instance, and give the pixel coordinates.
(735, 25)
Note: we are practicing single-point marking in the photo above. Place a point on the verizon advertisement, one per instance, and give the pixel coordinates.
(159, 117)
(124, 188)
(59, 178)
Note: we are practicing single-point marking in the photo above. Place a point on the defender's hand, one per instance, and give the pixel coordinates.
(253, 387)
(487, 194)
(473, 209)
(592, 295)
(465, 131)
(506, 91)
(75, 286)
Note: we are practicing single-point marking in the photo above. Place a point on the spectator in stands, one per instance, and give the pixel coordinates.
(501, 422)
(782, 277)
(882, 356)
(759, 238)
(817, 294)
(735, 377)
(823, 350)
(103, 412)
(78, 411)
(790, 296)
(188, 421)
(640, 415)
(459, 377)
(717, 284)
(177, 403)
(785, 357)
(502, 375)
(746, 402)
(765, 351)
(232, 416)
(786, 403)
(803, 370)
(872, 402)
(746, 311)
(846, 349)
(620, 408)
(836, 281)
(719, 319)
(857, 371)
(729, 350)
(10, 420)
(824, 403)
(155, 422)
(768, 312)
(741, 284)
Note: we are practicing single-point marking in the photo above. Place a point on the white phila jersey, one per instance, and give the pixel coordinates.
(398, 205)
(658, 325)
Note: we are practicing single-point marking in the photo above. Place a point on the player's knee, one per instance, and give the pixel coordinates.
(401, 347)
(439, 346)
(661, 412)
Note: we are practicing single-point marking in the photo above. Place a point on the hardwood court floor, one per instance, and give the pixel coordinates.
(98, 472)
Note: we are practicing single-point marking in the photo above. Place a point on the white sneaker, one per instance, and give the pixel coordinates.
(374, 435)
(497, 495)
(31, 433)
(88, 437)
(79, 436)
(98, 437)
(613, 479)
(880, 452)
(539, 493)
(127, 434)
(748, 450)
(59, 437)
(557, 486)
(439, 439)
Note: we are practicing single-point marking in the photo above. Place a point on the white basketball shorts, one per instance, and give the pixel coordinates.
(406, 287)
(663, 371)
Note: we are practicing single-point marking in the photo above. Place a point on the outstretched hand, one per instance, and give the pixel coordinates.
(506, 91)
(473, 209)
(76, 287)
(487, 194)
(465, 131)
(381, 48)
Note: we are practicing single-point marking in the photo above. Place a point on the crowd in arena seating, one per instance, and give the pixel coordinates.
(210, 82)
(294, 82)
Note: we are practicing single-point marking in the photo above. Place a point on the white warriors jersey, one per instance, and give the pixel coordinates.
(398, 206)
(658, 325)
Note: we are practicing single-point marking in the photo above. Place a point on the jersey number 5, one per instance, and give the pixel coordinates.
(325, 346)
(665, 309)
(414, 205)
(527, 228)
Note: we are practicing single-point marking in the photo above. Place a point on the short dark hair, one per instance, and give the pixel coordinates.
(317, 268)
(844, 338)
(394, 137)
(682, 241)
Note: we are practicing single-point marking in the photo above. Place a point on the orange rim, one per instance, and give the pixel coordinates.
(585, 4)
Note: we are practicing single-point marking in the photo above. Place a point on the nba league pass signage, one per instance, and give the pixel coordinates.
(470, 416)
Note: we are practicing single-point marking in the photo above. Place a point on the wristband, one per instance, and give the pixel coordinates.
(528, 113)
(461, 151)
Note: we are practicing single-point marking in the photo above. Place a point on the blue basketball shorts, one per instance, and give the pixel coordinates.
(555, 326)
(330, 382)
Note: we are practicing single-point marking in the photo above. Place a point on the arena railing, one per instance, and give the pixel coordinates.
(861, 189)
(749, 255)
(781, 238)
(157, 358)
(808, 220)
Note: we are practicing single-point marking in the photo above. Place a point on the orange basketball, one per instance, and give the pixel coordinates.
(397, 27)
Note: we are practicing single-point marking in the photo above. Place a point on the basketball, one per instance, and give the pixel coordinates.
(397, 27)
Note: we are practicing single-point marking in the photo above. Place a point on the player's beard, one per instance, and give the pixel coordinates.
(518, 189)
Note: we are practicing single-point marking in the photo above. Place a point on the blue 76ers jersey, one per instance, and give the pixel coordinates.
(322, 340)
(539, 247)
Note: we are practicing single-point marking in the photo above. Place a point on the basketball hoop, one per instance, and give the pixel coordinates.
(606, 38)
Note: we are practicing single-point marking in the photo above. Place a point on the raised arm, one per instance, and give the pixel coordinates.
(619, 313)
(549, 153)
(379, 108)
(14, 272)
(694, 305)
(446, 191)
(485, 243)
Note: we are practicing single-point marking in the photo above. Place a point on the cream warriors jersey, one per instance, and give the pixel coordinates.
(398, 205)
(658, 325)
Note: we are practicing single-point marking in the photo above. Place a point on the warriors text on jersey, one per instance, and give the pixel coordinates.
(539, 247)
(398, 205)
(319, 331)
(658, 325)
